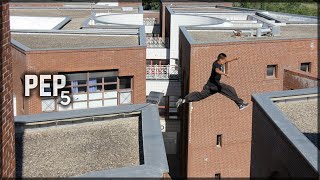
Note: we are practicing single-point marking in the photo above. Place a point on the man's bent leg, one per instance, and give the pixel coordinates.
(231, 93)
(197, 96)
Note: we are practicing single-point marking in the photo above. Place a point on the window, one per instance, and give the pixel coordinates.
(305, 66)
(224, 68)
(272, 71)
(93, 89)
(48, 104)
(125, 82)
(217, 176)
(219, 140)
(125, 90)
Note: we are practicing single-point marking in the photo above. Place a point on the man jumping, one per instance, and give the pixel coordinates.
(213, 85)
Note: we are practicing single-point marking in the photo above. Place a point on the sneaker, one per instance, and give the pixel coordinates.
(243, 106)
(179, 102)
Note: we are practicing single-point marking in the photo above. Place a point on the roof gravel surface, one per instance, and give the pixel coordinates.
(304, 115)
(47, 41)
(70, 150)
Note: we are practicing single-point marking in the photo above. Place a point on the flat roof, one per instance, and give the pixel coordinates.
(219, 36)
(71, 41)
(279, 106)
(78, 16)
(153, 160)
(70, 150)
(199, 9)
(304, 115)
(37, 23)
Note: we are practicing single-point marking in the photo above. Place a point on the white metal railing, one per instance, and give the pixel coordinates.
(149, 21)
(162, 72)
(156, 42)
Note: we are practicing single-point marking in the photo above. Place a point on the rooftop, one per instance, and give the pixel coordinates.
(78, 15)
(70, 150)
(74, 40)
(294, 113)
(100, 142)
(304, 115)
(219, 36)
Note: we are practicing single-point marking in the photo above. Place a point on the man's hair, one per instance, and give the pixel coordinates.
(221, 56)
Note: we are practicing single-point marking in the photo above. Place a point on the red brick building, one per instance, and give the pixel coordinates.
(7, 154)
(216, 134)
(81, 61)
(100, 64)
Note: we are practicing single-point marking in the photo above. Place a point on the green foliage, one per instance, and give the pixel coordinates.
(151, 4)
(309, 8)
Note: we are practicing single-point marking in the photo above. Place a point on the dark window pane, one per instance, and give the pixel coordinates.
(99, 88)
(305, 67)
(217, 176)
(82, 82)
(47, 89)
(125, 83)
(271, 70)
(82, 89)
(99, 80)
(68, 83)
(110, 87)
(110, 79)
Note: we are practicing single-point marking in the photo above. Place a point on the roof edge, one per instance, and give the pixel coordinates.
(306, 148)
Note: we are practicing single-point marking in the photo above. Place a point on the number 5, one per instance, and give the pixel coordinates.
(63, 96)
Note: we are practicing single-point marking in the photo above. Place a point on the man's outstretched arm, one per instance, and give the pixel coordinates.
(229, 60)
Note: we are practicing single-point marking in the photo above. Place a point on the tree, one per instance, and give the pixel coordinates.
(151, 4)
(309, 7)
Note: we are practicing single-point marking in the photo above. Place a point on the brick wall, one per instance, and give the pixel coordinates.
(162, 19)
(7, 154)
(298, 80)
(219, 115)
(167, 28)
(152, 14)
(51, 62)
(184, 54)
(19, 68)
(273, 156)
